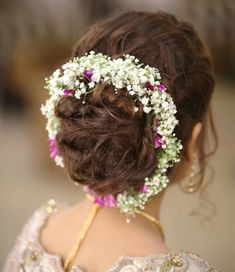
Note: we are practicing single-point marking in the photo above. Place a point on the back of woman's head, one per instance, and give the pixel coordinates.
(104, 143)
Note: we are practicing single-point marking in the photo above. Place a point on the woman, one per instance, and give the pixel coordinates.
(126, 118)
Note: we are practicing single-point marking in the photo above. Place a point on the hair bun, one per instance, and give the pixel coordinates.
(104, 143)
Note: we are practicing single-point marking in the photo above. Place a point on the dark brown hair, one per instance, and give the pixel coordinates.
(107, 146)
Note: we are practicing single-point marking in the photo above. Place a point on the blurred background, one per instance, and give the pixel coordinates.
(38, 36)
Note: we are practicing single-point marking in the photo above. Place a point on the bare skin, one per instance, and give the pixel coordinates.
(110, 237)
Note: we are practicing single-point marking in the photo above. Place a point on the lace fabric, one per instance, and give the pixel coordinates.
(28, 254)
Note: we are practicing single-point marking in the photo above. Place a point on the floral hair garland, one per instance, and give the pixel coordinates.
(139, 80)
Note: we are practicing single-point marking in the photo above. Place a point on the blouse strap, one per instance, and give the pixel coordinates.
(80, 237)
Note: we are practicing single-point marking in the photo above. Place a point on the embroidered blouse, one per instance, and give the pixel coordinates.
(28, 254)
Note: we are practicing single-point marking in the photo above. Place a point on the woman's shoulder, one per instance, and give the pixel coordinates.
(39, 216)
(180, 261)
(28, 237)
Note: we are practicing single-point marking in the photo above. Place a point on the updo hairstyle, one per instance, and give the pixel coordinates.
(105, 144)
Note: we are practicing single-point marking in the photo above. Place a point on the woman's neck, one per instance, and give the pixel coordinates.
(152, 207)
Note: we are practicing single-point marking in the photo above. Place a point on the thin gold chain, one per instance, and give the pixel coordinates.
(87, 224)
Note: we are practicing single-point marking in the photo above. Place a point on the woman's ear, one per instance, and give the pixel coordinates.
(192, 143)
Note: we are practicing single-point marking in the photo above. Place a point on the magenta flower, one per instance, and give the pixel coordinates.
(108, 200)
(149, 86)
(67, 91)
(144, 188)
(99, 200)
(88, 74)
(53, 148)
(158, 142)
(162, 87)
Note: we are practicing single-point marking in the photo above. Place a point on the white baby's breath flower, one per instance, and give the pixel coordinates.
(83, 90)
(77, 82)
(128, 87)
(56, 73)
(143, 79)
(53, 82)
(67, 80)
(59, 161)
(145, 100)
(119, 84)
(81, 70)
(77, 94)
(96, 77)
(91, 84)
(106, 78)
(43, 110)
(82, 85)
(147, 109)
(165, 105)
(120, 73)
(65, 66)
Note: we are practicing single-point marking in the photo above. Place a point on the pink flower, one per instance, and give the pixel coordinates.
(67, 91)
(99, 200)
(88, 74)
(53, 148)
(162, 87)
(149, 86)
(158, 142)
(144, 188)
(108, 200)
